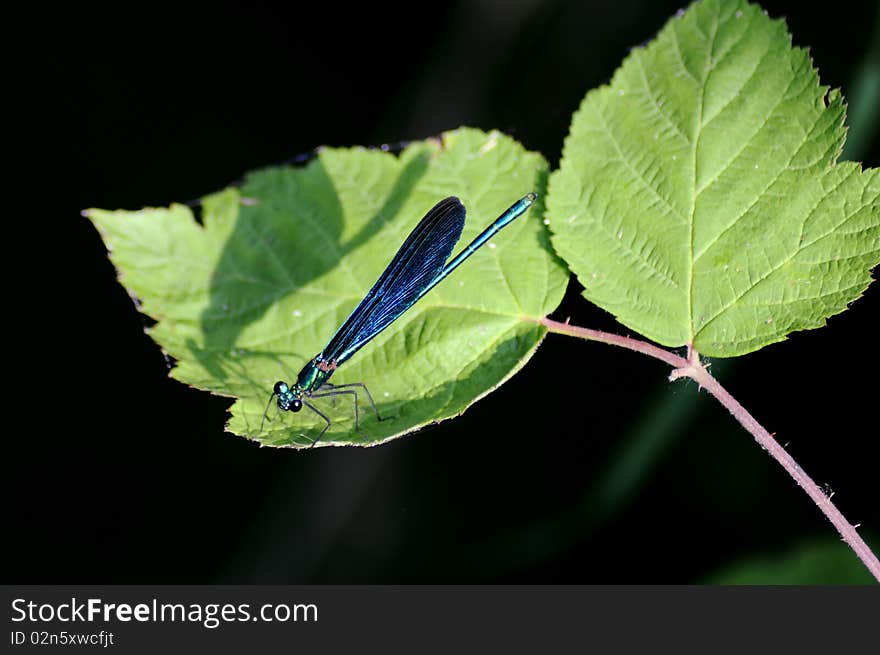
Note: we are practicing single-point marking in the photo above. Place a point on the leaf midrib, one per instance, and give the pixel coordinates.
(695, 140)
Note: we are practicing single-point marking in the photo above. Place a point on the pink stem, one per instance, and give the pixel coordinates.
(694, 369)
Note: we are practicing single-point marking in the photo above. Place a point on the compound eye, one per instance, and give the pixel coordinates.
(296, 405)
(280, 387)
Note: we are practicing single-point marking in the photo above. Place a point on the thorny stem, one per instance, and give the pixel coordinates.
(692, 367)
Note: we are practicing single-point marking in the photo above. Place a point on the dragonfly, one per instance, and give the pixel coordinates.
(419, 265)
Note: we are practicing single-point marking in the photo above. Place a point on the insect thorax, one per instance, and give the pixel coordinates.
(314, 374)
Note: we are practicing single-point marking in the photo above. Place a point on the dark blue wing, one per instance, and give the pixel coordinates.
(414, 267)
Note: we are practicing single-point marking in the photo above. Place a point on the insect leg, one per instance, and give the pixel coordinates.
(367, 391)
(335, 392)
(266, 413)
(323, 416)
(327, 385)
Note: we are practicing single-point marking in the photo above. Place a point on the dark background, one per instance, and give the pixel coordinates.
(116, 473)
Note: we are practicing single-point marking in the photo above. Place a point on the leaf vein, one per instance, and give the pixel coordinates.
(759, 196)
(654, 102)
(638, 174)
(785, 261)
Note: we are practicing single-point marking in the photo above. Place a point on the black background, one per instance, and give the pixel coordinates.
(116, 473)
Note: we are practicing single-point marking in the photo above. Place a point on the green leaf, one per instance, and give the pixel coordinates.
(814, 563)
(699, 199)
(251, 295)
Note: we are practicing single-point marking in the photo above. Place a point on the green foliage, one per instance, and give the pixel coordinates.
(698, 198)
(249, 296)
(810, 563)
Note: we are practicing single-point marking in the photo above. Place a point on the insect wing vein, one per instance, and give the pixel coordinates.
(416, 264)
